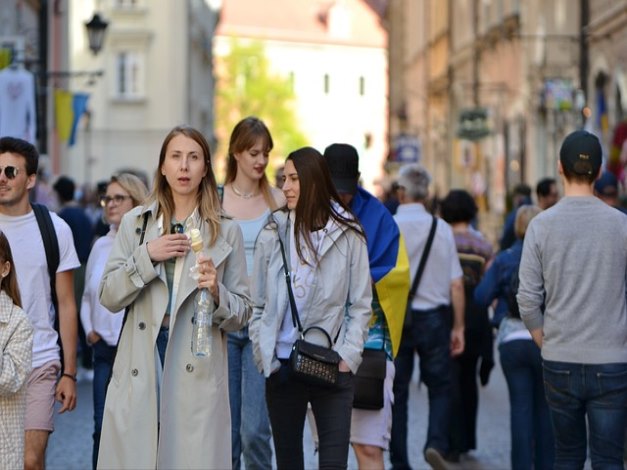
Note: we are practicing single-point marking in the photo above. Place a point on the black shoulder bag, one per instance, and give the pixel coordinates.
(309, 362)
(421, 267)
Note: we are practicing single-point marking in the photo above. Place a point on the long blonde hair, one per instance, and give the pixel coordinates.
(244, 137)
(207, 196)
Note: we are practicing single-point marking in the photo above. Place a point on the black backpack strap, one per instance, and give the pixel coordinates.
(51, 247)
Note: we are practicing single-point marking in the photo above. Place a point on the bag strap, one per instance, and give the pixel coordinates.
(51, 247)
(288, 280)
(423, 260)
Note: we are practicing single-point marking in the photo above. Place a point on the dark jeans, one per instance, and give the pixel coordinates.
(429, 336)
(598, 392)
(250, 427)
(287, 400)
(531, 435)
(103, 356)
(464, 403)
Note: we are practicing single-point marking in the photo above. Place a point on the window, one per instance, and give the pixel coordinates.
(129, 75)
(126, 3)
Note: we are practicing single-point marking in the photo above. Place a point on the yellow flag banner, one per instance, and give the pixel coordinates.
(64, 114)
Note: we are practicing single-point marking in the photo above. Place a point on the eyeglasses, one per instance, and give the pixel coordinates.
(10, 171)
(118, 198)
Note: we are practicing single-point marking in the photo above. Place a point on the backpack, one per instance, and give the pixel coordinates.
(51, 247)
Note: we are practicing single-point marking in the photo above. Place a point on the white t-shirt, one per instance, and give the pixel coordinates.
(32, 275)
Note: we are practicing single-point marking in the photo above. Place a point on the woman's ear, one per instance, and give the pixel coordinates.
(6, 269)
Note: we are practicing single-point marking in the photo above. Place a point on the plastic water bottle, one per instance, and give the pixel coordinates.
(201, 330)
(203, 307)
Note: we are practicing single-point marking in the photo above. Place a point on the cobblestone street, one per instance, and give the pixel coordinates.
(70, 445)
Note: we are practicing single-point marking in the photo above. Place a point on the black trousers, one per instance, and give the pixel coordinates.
(287, 401)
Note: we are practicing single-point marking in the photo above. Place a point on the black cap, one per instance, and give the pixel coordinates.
(581, 153)
(343, 163)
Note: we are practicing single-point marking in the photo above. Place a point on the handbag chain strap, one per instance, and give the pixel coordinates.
(423, 260)
(288, 280)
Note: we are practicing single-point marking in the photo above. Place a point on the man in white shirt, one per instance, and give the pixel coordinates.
(48, 380)
(430, 333)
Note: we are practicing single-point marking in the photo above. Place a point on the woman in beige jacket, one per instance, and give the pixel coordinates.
(165, 407)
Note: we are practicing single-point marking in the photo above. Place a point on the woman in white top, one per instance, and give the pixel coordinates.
(248, 198)
(124, 192)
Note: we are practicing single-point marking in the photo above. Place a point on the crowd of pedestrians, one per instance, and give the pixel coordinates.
(320, 295)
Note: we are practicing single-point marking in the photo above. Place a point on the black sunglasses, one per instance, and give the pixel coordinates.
(118, 198)
(10, 171)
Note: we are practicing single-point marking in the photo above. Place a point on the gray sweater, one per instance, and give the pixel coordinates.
(575, 261)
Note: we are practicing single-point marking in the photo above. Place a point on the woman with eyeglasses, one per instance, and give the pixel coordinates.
(328, 264)
(102, 329)
(165, 406)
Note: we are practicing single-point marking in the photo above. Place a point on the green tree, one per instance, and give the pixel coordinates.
(247, 87)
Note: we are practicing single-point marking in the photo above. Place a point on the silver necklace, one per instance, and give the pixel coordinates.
(241, 194)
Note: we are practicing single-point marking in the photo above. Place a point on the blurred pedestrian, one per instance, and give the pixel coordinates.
(571, 297)
(51, 310)
(606, 188)
(532, 444)
(16, 347)
(278, 176)
(436, 321)
(249, 199)
(521, 195)
(547, 193)
(389, 270)
(328, 261)
(166, 407)
(82, 233)
(459, 209)
(102, 328)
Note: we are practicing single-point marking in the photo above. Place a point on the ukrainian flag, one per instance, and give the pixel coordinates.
(389, 264)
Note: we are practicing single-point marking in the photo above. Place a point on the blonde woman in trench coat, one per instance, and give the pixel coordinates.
(166, 408)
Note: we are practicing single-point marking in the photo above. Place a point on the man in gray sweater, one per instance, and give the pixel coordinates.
(573, 267)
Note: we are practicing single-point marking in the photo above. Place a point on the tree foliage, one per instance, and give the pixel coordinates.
(247, 87)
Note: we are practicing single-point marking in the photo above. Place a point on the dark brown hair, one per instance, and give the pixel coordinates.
(207, 195)
(318, 200)
(9, 283)
(244, 136)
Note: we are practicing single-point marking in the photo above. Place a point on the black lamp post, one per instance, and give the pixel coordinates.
(96, 28)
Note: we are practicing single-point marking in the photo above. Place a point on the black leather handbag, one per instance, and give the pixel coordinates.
(369, 380)
(309, 362)
(312, 363)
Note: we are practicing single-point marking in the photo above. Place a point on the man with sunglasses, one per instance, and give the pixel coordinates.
(47, 381)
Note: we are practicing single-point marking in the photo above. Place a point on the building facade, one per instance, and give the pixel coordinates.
(334, 54)
(157, 72)
(491, 87)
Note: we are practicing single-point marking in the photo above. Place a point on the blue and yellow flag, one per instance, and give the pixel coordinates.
(389, 264)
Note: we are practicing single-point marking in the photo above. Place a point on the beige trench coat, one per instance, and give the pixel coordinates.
(194, 412)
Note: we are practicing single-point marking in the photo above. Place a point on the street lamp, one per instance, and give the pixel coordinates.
(96, 28)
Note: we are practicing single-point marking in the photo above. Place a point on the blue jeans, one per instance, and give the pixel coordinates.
(103, 356)
(598, 392)
(429, 336)
(530, 422)
(287, 400)
(250, 426)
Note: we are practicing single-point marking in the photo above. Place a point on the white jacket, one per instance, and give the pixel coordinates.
(339, 302)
